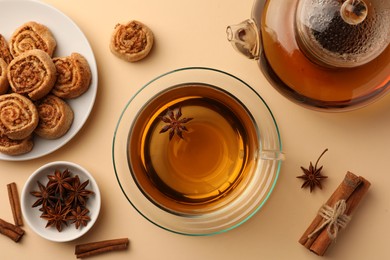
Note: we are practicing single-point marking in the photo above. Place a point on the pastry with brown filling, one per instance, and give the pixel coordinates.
(3, 77)
(15, 147)
(32, 73)
(73, 76)
(55, 117)
(30, 36)
(132, 41)
(18, 116)
(5, 54)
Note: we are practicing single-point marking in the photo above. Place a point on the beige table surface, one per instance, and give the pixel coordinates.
(192, 33)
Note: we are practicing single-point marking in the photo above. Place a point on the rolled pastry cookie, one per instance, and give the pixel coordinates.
(132, 41)
(73, 76)
(16, 147)
(32, 73)
(5, 53)
(18, 116)
(30, 36)
(55, 117)
(3, 77)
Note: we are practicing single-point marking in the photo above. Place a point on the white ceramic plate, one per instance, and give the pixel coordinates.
(32, 215)
(69, 37)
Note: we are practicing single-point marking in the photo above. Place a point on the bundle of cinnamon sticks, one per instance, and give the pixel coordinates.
(334, 214)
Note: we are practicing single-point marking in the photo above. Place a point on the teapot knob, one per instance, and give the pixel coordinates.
(245, 38)
(353, 11)
(342, 34)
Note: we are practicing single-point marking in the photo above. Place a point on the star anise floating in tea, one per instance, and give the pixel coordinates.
(312, 177)
(175, 124)
(63, 199)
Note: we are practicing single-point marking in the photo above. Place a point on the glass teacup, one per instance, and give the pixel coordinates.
(197, 151)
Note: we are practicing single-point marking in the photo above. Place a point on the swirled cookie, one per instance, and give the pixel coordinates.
(73, 76)
(3, 77)
(132, 41)
(32, 73)
(18, 116)
(15, 147)
(30, 36)
(5, 54)
(55, 117)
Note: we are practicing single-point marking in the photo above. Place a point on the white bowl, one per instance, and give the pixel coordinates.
(32, 215)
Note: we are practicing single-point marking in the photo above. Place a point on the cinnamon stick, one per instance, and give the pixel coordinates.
(353, 188)
(14, 201)
(95, 248)
(11, 231)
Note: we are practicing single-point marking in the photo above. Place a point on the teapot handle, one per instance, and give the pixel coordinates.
(245, 37)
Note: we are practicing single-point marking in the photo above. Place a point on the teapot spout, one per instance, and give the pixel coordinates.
(244, 38)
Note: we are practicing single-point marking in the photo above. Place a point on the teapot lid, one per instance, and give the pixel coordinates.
(343, 33)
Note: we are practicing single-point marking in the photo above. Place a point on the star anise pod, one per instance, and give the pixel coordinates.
(58, 180)
(77, 194)
(175, 124)
(56, 216)
(79, 217)
(45, 196)
(312, 177)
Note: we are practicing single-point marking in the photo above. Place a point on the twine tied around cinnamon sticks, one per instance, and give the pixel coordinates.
(335, 214)
(334, 219)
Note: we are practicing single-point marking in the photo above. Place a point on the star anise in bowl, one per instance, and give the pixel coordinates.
(58, 180)
(57, 216)
(79, 216)
(62, 199)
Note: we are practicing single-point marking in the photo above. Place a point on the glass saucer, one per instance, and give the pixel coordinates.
(255, 189)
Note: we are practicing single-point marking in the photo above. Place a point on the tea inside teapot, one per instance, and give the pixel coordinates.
(328, 55)
(339, 33)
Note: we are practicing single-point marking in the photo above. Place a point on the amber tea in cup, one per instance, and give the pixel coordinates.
(192, 148)
(197, 151)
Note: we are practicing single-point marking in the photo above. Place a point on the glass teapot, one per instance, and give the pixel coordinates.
(328, 55)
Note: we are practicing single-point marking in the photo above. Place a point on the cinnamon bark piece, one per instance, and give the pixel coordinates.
(14, 201)
(95, 248)
(11, 231)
